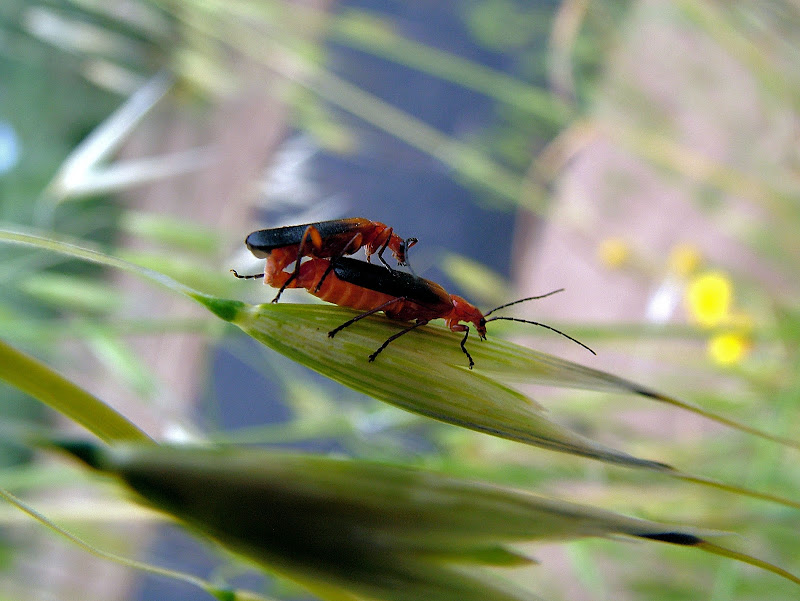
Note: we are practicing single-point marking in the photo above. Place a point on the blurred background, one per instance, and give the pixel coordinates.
(643, 155)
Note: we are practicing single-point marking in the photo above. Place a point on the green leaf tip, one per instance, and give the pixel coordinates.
(690, 540)
(674, 538)
(720, 419)
(748, 559)
(224, 594)
(224, 308)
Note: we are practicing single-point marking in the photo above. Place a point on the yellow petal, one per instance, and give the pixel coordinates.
(728, 349)
(708, 298)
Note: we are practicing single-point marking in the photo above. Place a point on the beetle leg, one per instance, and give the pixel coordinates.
(324, 275)
(350, 322)
(311, 234)
(406, 245)
(383, 248)
(286, 284)
(395, 337)
(247, 277)
(353, 242)
(463, 328)
(464, 348)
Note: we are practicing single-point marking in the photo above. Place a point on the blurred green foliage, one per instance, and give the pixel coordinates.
(560, 56)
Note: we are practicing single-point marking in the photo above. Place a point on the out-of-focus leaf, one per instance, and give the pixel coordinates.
(364, 31)
(178, 233)
(190, 270)
(381, 531)
(223, 594)
(44, 384)
(119, 359)
(478, 282)
(72, 292)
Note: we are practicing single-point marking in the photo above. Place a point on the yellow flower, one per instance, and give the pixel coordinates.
(614, 252)
(728, 349)
(708, 298)
(684, 259)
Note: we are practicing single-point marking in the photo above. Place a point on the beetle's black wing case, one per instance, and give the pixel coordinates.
(391, 282)
(279, 237)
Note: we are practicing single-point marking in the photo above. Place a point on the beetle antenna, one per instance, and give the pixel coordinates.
(536, 323)
(522, 300)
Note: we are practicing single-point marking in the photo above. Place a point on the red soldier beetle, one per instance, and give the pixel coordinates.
(283, 246)
(400, 295)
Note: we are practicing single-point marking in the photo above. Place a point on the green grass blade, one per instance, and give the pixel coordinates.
(222, 594)
(425, 373)
(748, 559)
(374, 35)
(465, 159)
(364, 526)
(80, 250)
(513, 362)
(42, 383)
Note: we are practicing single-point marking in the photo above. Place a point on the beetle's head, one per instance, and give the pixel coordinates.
(466, 311)
(401, 250)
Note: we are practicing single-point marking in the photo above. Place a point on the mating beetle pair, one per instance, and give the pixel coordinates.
(334, 278)
(283, 246)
